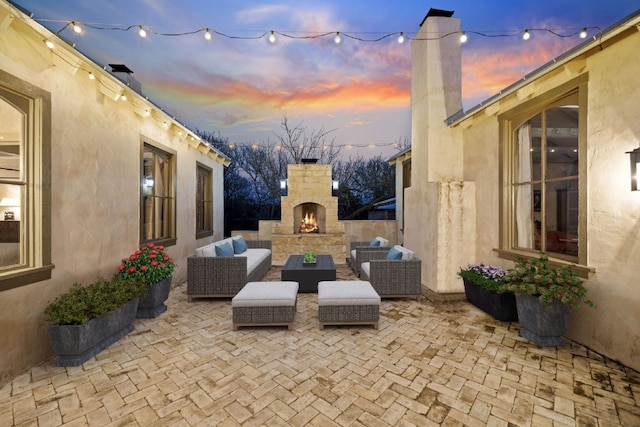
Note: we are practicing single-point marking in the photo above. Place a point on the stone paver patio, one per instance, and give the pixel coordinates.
(427, 365)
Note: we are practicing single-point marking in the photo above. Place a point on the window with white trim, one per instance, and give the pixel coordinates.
(25, 191)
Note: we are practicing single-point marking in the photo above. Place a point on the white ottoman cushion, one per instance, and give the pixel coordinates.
(266, 294)
(348, 292)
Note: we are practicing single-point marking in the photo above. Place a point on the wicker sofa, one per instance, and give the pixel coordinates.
(393, 278)
(211, 276)
(360, 251)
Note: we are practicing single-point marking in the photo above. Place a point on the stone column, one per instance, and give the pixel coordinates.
(439, 205)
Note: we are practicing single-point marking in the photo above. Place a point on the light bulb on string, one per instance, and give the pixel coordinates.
(91, 76)
(337, 39)
(49, 44)
(583, 33)
(141, 31)
(76, 27)
(401, 37)
(207, 34)
(463, 37)
(272, 37)
(526, 35)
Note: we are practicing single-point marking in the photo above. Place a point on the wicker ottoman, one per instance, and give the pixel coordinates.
(348, 303)
(265, 304)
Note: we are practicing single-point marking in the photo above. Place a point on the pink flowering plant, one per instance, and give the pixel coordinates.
(150, 264)
(490, 277)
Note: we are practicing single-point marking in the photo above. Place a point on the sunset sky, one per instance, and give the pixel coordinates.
(240, 86)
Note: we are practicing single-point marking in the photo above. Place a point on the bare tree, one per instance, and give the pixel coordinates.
(298, 144)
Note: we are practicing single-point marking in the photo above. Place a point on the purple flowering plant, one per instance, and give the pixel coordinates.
(490, 277)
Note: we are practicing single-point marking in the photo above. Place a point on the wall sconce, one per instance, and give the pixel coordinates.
(283, 184)
(9, 203)
(635, 167)
(335, 184)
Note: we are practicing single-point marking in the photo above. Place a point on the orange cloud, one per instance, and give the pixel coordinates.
(256, 101)
(487, 71)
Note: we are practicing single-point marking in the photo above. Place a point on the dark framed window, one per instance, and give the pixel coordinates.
(545, 172)
(204, 201)
(157, 196)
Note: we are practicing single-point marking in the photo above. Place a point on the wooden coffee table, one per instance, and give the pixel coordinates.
(308, 276)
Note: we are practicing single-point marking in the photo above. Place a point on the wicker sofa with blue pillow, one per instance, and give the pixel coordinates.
(360, 251)
(222, 268)
(395, 272)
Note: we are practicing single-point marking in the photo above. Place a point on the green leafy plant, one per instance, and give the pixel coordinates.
(490, 277)
(309, 257)
(150, 264)
(536, 277)
(83, 303)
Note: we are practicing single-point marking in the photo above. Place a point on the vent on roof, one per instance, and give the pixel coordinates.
(124, 74)
(438, 12)
(120, 68)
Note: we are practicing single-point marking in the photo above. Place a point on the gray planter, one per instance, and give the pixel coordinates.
(75, 344)
(544, 326)
(152, 305)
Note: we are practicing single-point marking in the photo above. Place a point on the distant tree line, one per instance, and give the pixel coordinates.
(252, 181)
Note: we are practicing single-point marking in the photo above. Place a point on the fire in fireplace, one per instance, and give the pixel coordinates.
(308, 223)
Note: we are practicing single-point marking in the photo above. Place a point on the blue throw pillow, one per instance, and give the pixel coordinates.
(239, 245)
(374, 242)
(394, 254)
(224, 250)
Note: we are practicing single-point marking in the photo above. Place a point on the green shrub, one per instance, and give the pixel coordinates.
(82, 303)
(536, 277)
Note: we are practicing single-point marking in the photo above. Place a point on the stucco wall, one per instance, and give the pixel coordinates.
(95, 180)
(613, 214)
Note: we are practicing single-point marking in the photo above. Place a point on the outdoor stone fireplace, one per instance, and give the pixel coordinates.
(309, 218)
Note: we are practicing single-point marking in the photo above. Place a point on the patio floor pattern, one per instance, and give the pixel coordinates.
(427, 365)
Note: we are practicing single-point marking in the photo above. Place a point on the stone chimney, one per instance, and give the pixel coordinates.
(439, 207)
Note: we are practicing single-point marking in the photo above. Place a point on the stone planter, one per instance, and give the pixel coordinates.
(544, 326)
(501, 306)
(75, 344)
(152, 304)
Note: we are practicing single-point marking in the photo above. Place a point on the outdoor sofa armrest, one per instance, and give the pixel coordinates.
(263, 244)
(396, 277)
(215, 276)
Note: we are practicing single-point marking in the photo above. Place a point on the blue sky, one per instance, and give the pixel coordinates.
(242, 88)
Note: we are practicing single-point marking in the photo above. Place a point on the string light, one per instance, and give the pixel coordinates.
(338, 36)
(91, 76)
(49, 44)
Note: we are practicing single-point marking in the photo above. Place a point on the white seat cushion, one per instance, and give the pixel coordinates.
(266, 294)
(407, 254)
(347, 292)
(254, 257)
(383, 242)
(365, 267)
